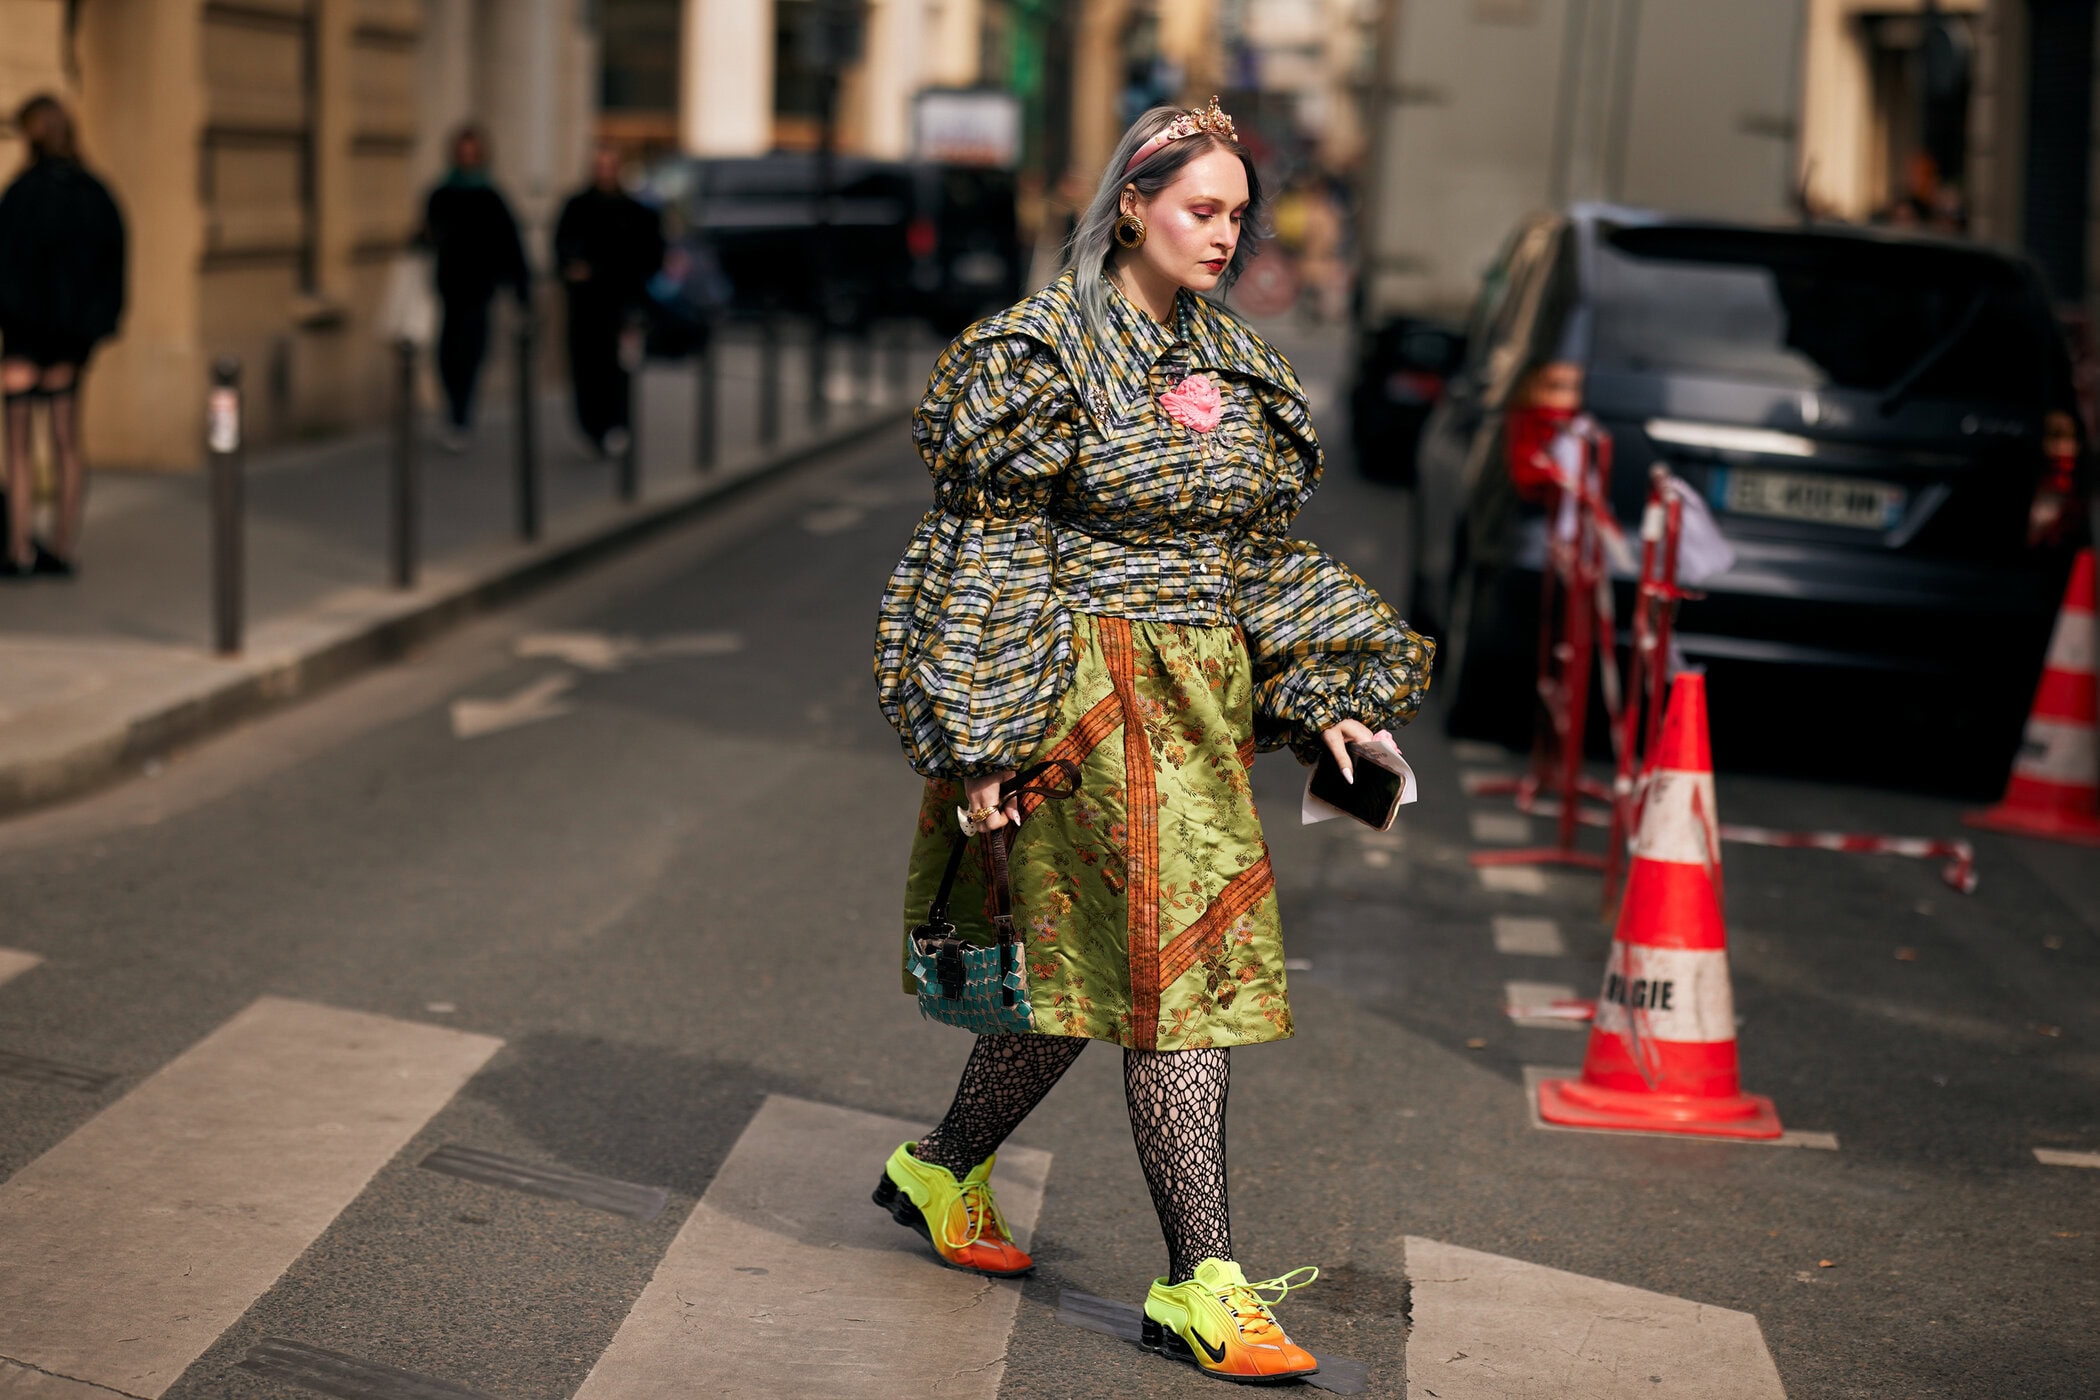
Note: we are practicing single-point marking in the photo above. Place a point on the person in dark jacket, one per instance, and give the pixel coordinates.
(468, 225)
(608, 245)
(61, 292)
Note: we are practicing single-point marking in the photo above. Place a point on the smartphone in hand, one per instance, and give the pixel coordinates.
(1374, 798)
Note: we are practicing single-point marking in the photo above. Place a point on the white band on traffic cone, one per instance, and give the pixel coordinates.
(1678, 994)
(1677, 820)
(2058, 751)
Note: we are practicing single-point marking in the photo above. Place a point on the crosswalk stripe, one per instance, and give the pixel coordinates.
(13, 963)
(787, 1280)
(136, 1241)
(1488, 1327)
(1499, 828)
(1511, 879)
(1533, 938)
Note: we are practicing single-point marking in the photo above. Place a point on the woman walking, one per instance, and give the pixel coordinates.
(1106, 591)
(61, 292)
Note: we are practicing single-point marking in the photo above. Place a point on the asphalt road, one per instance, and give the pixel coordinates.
(669, 883)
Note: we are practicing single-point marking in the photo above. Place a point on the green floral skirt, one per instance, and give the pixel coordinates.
(1146, 899)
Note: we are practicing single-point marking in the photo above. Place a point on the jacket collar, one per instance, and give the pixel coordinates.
(1111, 381)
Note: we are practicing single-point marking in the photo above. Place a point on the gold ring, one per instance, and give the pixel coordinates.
(981, 814)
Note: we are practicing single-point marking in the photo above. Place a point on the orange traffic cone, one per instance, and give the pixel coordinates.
(1662, 1048)
(2054, 790)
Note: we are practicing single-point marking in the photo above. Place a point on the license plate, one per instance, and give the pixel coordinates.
(1826, 500)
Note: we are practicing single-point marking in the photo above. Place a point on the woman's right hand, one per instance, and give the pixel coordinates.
(980, 793)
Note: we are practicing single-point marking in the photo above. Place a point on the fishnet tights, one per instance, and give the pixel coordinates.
(1177, 1118)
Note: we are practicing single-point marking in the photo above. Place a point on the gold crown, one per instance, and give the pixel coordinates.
(1211, 119)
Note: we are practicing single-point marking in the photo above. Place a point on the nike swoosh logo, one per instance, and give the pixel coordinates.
(1215, 1353)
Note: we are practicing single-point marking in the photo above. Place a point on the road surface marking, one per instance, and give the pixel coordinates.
(1792, 1137)
(21, 1383)
(1500, 828)
(1488, 1327)
(2058, 1157)
(333, 1373)
(13, 963)
(1529, 938)
(603, 651)
(1512, 879)
(833, 520)
(1474, 779)
(543, 1179)
(793, 1282)
(541, 700)
(1541, 1000)
(1473, 751)
(135, 1242)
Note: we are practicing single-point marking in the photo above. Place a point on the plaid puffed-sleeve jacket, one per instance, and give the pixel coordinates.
(1062, 486)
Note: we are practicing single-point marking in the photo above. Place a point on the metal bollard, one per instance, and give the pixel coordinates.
(866, 382)
(819, 352)
(528, 463)
(706, 416)
(628, 481)
(222, 440)
(402, 536)
(768, 381)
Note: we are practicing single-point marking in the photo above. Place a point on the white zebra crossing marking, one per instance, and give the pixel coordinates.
(13, 963)
(1530, 938)
(1488, 1328)
(21, 1383)
(1511, 879)
(134, 1243)
(1499, 828)
(787, 1280)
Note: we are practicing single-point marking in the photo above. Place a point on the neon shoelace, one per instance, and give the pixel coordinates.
(1249, 1303)
(979, 1210)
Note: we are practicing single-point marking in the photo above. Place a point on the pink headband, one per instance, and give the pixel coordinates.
(1209, 119)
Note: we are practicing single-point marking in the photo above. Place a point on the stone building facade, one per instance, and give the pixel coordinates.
(270, 156)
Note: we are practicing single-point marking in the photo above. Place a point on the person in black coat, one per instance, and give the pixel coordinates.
(61, 292)
(468, 225)
(608, 245)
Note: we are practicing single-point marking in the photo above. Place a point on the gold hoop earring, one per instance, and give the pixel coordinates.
(1129, 231)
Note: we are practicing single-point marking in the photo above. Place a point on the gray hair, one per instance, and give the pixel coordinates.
(1092, 246)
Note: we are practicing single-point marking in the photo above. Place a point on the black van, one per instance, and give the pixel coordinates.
(930, 241)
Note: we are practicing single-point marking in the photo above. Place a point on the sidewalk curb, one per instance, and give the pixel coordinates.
(291, 658)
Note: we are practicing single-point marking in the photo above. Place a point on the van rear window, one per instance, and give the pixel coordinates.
(1816, 312)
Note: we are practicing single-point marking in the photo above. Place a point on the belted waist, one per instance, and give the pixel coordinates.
(1186, 578)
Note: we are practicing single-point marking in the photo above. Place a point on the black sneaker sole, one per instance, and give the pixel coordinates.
(906, 1212)
(1156, 1337)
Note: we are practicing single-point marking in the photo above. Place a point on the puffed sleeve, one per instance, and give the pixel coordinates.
(1325, 646)
(972, 649)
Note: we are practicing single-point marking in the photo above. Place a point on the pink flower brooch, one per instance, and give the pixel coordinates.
(1194, 403)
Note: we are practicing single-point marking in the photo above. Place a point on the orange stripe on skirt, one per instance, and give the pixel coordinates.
(1141, 858)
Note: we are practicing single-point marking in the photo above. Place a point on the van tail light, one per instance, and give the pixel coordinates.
(1546, 401)
(921, 238)
(2056, 504)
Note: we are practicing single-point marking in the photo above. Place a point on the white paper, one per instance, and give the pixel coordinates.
(1311, 809)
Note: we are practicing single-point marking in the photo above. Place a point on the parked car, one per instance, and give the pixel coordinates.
(897, 239)
(1870, 417)
(1399, 376)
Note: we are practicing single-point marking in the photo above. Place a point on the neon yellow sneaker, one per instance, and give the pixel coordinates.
(972, 1234)
(1222, 1323)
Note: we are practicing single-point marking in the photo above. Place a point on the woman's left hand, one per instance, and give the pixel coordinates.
(1339, 737)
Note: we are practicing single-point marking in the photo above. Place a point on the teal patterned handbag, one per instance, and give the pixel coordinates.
(981, 989)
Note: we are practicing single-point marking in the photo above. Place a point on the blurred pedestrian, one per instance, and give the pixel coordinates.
(61, 292)
(471, 232)
(1088, 638)
(608, 244)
